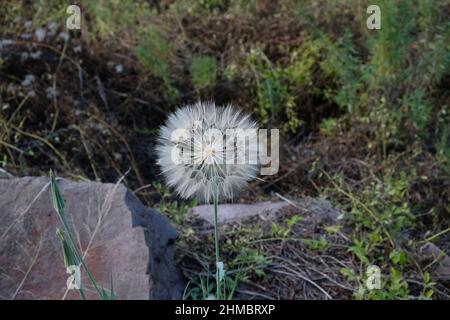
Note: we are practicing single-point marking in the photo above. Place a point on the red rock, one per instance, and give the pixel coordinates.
(130, 241)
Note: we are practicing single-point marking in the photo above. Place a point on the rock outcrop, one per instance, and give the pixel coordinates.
(120, 237)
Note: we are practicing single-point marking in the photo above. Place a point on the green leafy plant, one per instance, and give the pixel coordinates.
(327, 126)
(203, 71)
(71, 251)
(278, 230)
(155, 53)
(272, 91)
(175, 210)
(313, 244)
(212, 4)
(201, 288)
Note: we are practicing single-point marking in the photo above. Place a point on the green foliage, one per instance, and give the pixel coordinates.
(71, 252)
(175, 210)
(427, 291)
(399, 257)
(201, 287)
(389, 47)
(387, 77)
(272, 91)
(319, 245)
(327, 126)
(253, 260)
(303, 61)
(281, 231)
(109, 17)
(16, 13)
(361, 250)
(203, 71)
(419, 110)
(379, 214)
(392, 286)
(381, 211)
(341, 62)
(150, 43)
(212, 4)
(155, 53)
(247, 261)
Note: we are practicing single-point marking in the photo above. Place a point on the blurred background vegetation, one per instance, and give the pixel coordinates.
(364, 114)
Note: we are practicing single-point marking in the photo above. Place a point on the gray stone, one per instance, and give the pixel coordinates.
(122, 240)
(440, 270)
(5, 174)
(236, 212)
(321, 210)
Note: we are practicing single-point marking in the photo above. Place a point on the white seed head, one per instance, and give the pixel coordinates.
(207, 152)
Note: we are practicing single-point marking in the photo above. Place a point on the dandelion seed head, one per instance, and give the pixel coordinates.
(205, 171)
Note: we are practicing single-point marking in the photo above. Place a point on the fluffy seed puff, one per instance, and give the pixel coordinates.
(205, 151)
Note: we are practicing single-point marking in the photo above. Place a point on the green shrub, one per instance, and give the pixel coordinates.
(274, 101)
(155, 53)
(203, 72)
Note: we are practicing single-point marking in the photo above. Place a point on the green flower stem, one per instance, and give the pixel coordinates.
(216, 236)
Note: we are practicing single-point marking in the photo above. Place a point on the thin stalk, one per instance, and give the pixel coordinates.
(58, 204)
(436, 235)
(216, 236)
